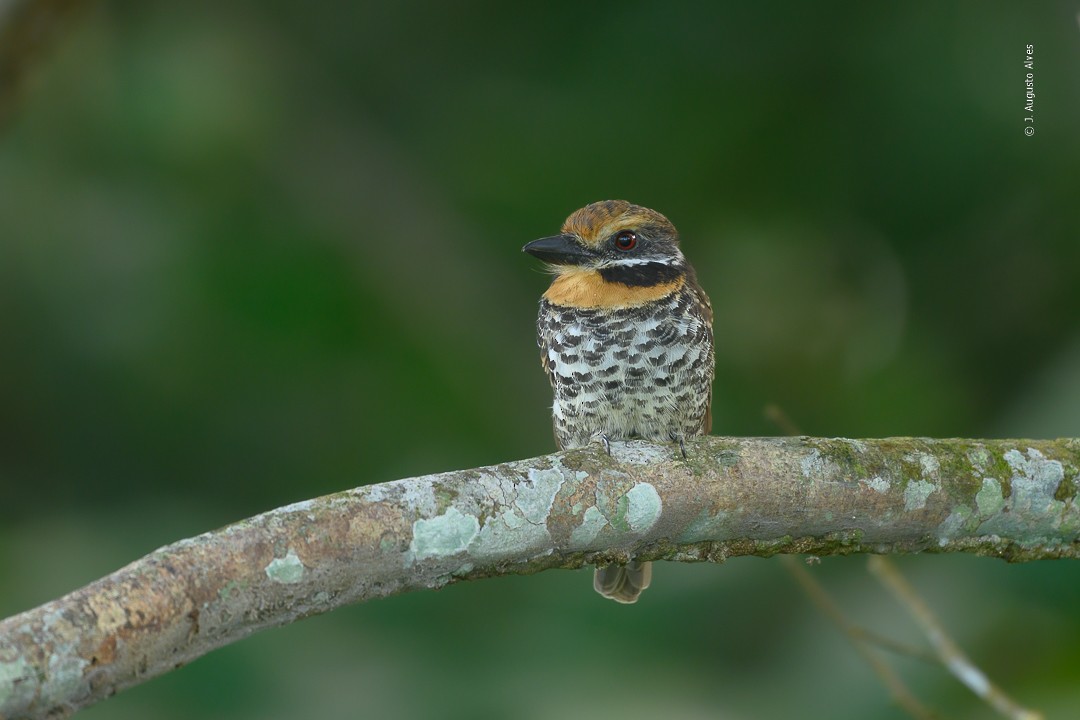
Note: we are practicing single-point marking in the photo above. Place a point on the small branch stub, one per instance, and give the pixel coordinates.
(1014, 499)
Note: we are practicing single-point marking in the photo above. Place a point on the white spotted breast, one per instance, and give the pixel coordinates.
(636, 372)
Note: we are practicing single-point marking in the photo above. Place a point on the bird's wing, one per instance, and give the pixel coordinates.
(704, 306)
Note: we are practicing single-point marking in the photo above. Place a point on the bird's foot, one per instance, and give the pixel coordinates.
(682, 444)
(602, 438)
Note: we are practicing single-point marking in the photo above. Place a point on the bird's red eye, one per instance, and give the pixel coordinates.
(626, 240)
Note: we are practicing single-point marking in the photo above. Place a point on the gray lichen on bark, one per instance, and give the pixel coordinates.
(1014, 499)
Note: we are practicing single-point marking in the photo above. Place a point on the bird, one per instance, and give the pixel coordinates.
(626, 340)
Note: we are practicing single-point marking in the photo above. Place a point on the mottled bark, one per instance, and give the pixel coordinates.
(1014, 499)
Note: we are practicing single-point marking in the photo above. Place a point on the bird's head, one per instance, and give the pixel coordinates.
(612, 254)
(610, 235)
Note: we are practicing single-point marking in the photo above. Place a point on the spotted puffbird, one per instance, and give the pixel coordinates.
(625, 335)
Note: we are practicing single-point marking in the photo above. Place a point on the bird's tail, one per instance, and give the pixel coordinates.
(623, 583)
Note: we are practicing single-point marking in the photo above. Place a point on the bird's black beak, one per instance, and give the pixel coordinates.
(559, 250)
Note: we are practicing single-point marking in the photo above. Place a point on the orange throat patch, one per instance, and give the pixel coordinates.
(589, 290)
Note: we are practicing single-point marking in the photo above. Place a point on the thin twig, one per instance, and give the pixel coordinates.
(28, 29)
(950, 653)
(895, 646)
(889, 677)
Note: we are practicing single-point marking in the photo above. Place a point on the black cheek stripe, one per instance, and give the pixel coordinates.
(644, 275)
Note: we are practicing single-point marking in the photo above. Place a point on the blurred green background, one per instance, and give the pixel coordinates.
(254, 252)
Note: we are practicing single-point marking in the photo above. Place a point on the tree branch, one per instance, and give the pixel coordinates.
(1014, 499)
